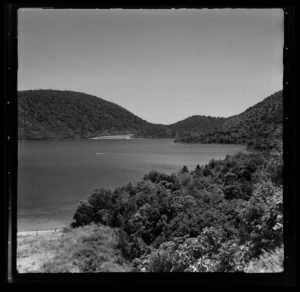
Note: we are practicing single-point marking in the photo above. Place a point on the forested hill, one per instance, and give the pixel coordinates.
(260, 126)
(54, 114)
(197, 125)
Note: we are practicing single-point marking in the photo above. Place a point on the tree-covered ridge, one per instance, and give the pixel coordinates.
(197, 124)
(54, 114)
(259, 127)
(216, 218)
(46, 114)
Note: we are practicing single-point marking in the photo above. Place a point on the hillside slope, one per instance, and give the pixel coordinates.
(54, 114)
(260, 126)
(196, 125)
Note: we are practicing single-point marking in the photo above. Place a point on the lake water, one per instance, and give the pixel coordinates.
(53, 176)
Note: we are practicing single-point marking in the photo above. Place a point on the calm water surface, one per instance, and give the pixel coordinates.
(53, 176)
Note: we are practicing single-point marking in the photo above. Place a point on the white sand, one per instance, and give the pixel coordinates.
(125, 136)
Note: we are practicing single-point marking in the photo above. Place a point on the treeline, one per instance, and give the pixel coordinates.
(197, 124)
(260, 127)
(55, 114)
(214, 218)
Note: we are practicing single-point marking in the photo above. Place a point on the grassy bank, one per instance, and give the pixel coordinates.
(91, 248)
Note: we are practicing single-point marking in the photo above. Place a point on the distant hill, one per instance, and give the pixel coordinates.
(196, 125)
(260, 126)
(55, 114)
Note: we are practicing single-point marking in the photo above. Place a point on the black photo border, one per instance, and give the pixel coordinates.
(10, 140)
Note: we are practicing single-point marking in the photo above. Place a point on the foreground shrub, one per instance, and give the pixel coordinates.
(160, 261)
(200, 254)
(262, 219)
(84, 214)
(212, 219)
(88, 249)
(268, 262)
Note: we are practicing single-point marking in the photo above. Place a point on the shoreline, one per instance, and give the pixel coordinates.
(119, 137)
(38, 232)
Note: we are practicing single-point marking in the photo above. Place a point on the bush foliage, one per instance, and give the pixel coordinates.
(86, 249)
(215, 218)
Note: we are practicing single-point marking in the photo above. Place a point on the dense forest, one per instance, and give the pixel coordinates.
(196, 124)
(54, 114)
(260, 127)
(225, 216)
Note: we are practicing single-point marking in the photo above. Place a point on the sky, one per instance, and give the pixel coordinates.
(162, 65)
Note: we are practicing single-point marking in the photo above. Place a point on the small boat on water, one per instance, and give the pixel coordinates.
(99, 153)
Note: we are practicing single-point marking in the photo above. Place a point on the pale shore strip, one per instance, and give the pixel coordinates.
(123, 136)
(37, 232)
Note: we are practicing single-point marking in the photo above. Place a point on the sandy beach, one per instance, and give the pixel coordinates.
(124, 136)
